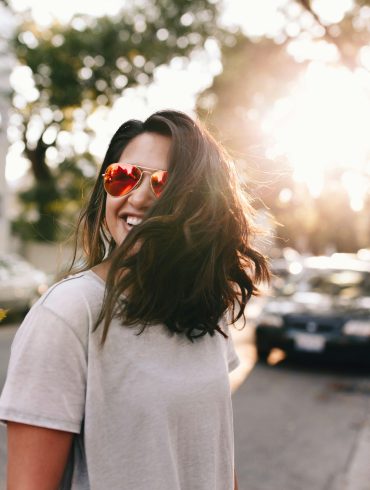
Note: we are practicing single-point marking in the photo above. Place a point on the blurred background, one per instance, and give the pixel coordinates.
(285, 86)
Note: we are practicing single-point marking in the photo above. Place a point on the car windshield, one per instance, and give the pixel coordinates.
(334, 282)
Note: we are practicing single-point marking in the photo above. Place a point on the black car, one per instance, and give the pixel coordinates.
(323, 309)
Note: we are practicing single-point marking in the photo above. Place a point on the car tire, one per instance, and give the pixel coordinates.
(262, 355)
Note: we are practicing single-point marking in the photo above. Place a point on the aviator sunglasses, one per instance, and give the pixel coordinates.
(122, 178)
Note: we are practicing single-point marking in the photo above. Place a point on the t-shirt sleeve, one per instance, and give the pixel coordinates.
(46, 379)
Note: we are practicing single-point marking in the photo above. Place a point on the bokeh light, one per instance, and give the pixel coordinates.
(321, 125)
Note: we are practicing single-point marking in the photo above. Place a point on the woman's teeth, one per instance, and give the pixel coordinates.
(133, 220)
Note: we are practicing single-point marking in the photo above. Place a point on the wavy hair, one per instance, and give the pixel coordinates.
(191, 258)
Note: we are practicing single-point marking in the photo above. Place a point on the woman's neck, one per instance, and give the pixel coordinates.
(101, 270)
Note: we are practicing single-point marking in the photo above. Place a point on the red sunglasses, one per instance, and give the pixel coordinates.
(122, 178)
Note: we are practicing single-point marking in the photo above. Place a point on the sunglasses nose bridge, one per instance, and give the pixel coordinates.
(151, 173)
(143, 185)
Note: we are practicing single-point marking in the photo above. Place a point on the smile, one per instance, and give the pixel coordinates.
(131, 221)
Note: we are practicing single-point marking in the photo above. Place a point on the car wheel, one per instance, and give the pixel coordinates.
(262, 354)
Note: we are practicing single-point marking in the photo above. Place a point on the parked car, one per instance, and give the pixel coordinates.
(322, 310)
(20, 283)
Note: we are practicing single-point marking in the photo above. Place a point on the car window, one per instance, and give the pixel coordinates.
(343, 283)
(346, 283)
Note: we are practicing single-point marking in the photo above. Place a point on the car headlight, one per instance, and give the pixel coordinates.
(271, 320)
(360, 328)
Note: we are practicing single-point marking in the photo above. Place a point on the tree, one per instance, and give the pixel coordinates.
(257, 72)
(74, 70)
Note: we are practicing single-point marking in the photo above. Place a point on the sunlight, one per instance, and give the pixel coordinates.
(175, 86)
(16, 166)
(330, 13)
(357, 188)
(322, 125)
(45, 12)
(255, 18)
(22, 82)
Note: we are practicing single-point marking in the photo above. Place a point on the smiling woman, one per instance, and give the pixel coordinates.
(118, 376)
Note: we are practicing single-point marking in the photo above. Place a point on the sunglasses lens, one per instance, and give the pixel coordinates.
(119, 179)
(159, 180)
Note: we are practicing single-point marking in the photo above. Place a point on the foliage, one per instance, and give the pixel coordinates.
(3, 314)
(51, 206)
(79, 68)
(83, 66)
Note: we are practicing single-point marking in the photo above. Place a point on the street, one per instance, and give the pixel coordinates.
(6, 336)
(296, 426)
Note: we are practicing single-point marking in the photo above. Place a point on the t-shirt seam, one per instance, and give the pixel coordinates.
(93, 275)
(10, 410)
(66, 279)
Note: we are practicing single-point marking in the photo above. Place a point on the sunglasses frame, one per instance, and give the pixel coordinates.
(143, 170)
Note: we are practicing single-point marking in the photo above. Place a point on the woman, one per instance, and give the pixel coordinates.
(118, 377)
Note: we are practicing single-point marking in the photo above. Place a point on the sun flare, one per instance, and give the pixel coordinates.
(323, 125)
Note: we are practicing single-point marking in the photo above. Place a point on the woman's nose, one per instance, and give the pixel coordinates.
(142, 196)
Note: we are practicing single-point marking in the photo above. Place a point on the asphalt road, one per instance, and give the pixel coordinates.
(296, 426)
(6, 336)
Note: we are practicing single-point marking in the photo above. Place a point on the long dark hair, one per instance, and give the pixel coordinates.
(191, 259)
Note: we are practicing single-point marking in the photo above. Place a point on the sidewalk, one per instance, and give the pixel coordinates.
(358, 474)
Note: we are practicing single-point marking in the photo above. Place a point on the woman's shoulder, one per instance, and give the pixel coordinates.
(74, 298)
(85, 283)
(66, 312)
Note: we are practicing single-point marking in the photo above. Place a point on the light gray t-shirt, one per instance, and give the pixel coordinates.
(149, 412)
